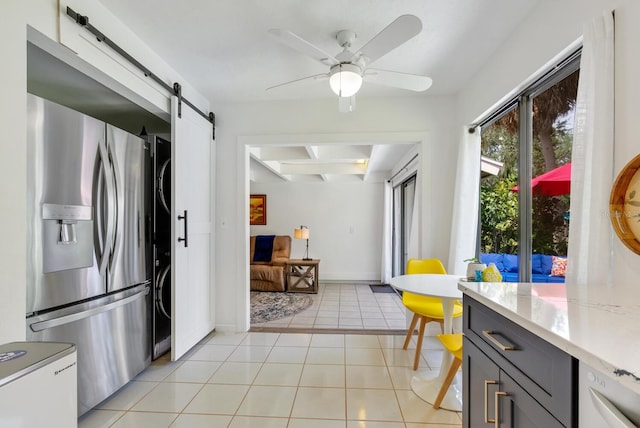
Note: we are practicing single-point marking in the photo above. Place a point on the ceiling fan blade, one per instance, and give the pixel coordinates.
(346, 104)
(412, 82)
(399, 31)
(302, 81)
(299, 44)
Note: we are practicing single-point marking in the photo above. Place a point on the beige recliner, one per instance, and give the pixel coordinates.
(270, 275)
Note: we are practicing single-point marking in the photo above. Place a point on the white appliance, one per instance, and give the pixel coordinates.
(603, 402)
(38, 385)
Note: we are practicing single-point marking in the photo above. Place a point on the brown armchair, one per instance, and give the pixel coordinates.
(270, 275)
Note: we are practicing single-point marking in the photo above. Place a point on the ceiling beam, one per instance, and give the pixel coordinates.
(281, 153)
(312, 151)
(375, 150)
(323, 168)
(273, 166)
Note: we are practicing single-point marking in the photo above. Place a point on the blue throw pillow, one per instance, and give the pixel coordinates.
(545, 263)
(492, 258)
(510, 263)
(263, 248)
(536, 263)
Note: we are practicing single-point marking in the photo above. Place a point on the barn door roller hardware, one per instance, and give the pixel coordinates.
(176, 89)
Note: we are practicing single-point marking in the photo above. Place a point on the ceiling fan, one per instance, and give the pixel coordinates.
(348, 69)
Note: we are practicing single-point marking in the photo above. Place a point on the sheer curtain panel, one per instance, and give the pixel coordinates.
(466, 200)
(590, 234)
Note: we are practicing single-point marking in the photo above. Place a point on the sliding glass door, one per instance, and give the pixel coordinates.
(525, 206)
(403, 217)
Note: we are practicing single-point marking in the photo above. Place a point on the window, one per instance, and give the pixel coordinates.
(524, 208)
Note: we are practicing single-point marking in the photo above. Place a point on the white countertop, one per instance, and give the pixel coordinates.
(598, 325)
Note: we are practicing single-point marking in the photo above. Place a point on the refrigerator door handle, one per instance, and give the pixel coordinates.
(114, 200)
(66, 319)
(99, 212)
(103, 207)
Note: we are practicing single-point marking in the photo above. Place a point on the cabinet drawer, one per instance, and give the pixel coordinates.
(516, 407)
(544, 371)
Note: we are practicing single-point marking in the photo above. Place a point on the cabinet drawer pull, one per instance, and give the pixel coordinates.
(488, 334)
(486, 400)
(497, 409)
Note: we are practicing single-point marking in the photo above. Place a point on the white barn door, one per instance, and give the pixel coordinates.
(192, 292)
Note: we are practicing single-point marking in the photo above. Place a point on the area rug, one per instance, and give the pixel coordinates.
(270, 306)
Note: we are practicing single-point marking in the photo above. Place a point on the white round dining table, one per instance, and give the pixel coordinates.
(426, 383)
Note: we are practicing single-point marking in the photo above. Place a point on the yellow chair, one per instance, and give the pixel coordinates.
(424, 308)
(453, 344)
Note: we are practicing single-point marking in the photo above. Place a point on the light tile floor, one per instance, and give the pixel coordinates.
(280, 380)
(347, 306)
(285, 379)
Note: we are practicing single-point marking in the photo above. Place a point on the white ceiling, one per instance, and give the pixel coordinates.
(329, 162)
(222, 48)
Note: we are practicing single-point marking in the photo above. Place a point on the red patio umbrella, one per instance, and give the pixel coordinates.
(552, 183)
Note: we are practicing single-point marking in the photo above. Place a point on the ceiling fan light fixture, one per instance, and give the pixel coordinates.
(345, 79)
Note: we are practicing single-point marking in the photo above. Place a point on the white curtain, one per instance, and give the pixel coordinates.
(387, 233)
(590, 235)
(464, 222)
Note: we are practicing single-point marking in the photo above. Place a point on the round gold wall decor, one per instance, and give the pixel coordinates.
(624, 205)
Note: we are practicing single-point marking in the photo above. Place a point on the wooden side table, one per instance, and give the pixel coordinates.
(302, 275)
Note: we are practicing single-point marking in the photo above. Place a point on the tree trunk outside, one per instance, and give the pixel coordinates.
(546, 147)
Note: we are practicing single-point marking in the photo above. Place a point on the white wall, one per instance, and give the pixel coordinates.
(626, 263)
(16, 14)
(551, 27)
(13, 123)
(344, 221)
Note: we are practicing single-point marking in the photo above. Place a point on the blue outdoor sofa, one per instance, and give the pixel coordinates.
(507, 264)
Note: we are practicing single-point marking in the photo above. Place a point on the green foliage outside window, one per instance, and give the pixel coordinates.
(551, 147)
(499, 216)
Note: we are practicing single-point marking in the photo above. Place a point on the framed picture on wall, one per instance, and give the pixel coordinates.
(258, 210)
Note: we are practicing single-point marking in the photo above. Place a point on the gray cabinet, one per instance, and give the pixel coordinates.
(511, 375)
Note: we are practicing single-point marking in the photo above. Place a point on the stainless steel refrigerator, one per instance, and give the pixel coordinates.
(88, 245)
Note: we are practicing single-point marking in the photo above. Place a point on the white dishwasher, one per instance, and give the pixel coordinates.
(604, 403)
(38, 385)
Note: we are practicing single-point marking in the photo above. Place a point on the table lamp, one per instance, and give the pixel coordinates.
(303, 233)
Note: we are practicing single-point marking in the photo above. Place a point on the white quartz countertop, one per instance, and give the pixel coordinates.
(599, 325)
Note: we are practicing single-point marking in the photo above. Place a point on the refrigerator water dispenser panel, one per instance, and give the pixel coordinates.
(67, 237)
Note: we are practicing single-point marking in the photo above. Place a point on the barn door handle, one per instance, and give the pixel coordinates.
(186, 228)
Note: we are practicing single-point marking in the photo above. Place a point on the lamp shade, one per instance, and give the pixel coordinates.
(301, 233)
(345, 80)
